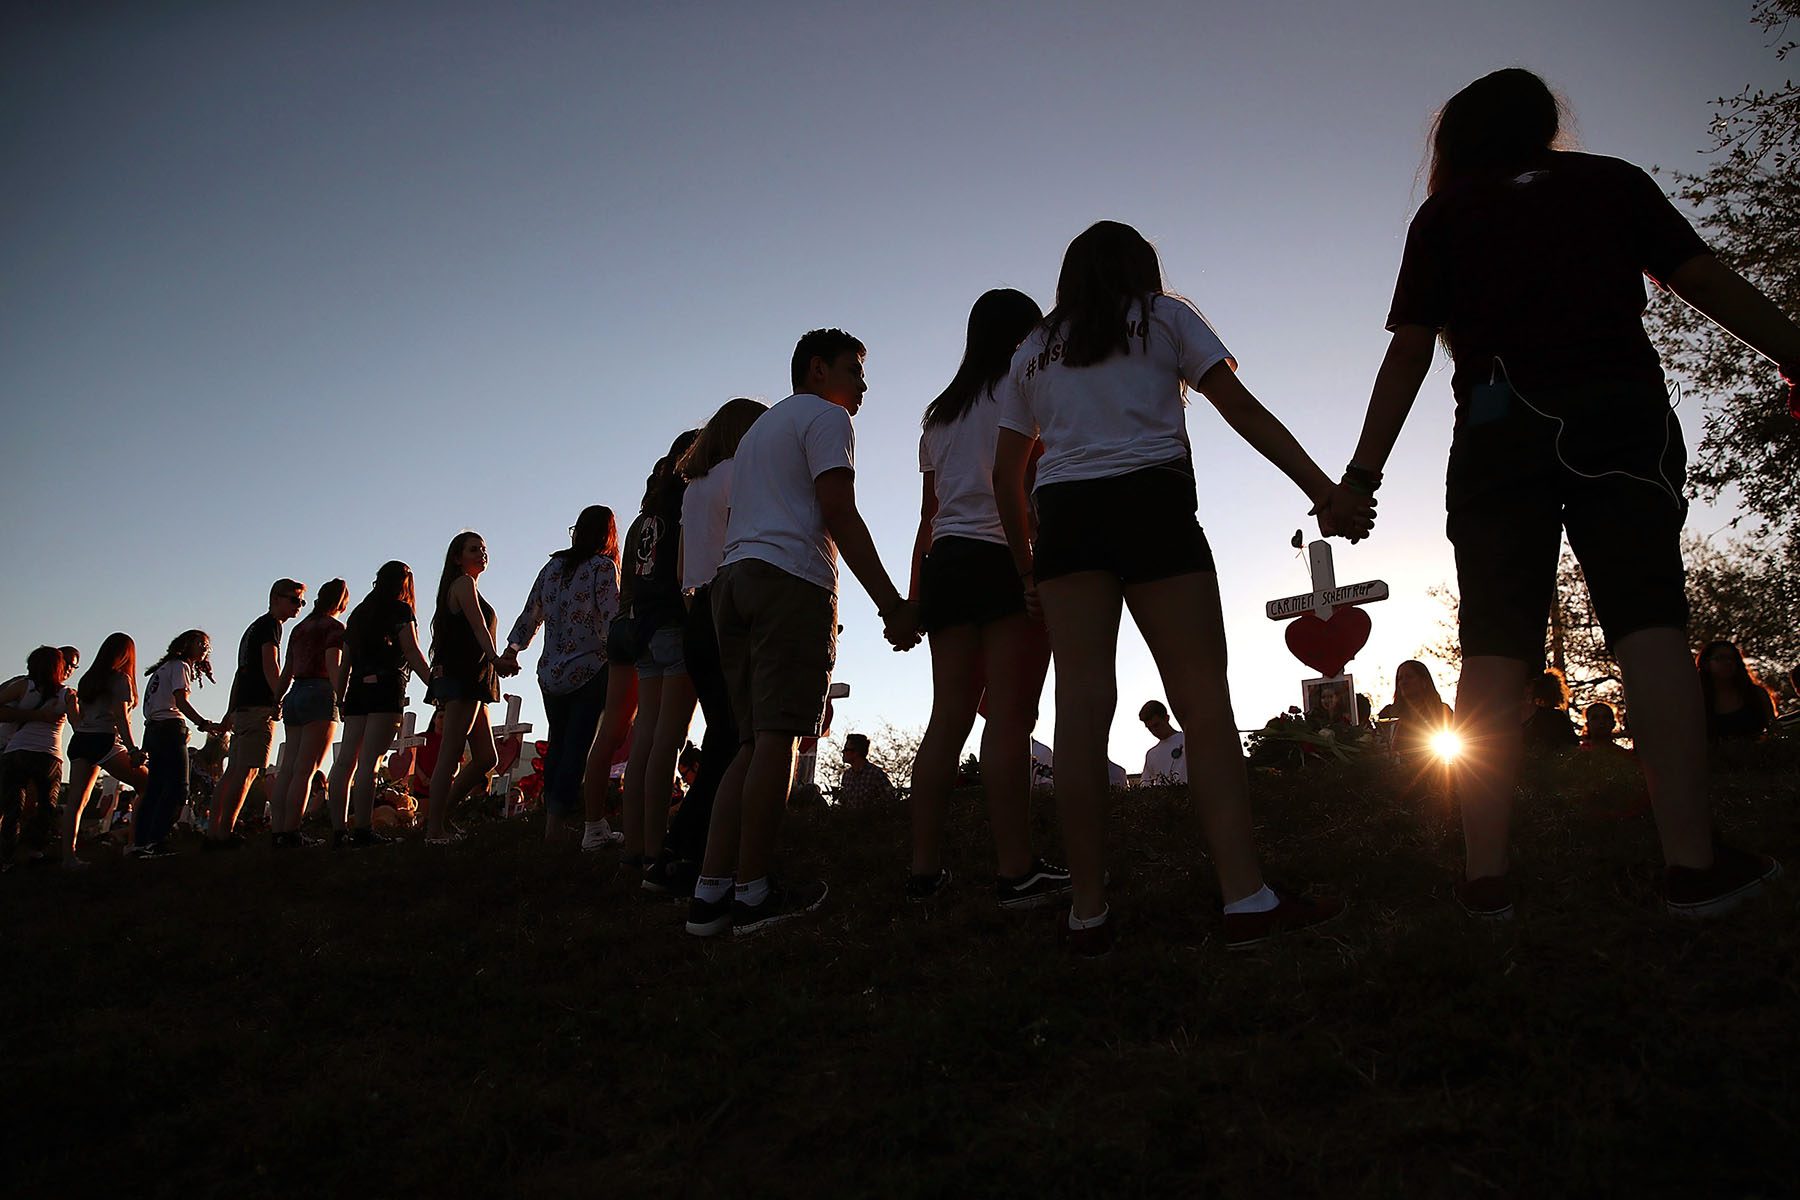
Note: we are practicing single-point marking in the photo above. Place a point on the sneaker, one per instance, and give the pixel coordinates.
(710, 918)
(1734, 877)
(1293, 911)
(1037, 887)
(1488, 898)
(924, 887)
(132, 851)
(367, 837)
(449, 837)
(656, 879)
(157, 850)
(1096, 941)
(599, 836)
(233, 841)
(781, 904)
(678, 878)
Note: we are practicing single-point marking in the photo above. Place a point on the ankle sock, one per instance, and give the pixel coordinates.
(754, 892)
(1261, 900)
(710, 889)
(1076, 922)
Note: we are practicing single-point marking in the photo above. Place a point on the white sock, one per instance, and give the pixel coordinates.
(1261, 900)
(710, 889)
(594, 826)
(1076, 922)
(754, 892)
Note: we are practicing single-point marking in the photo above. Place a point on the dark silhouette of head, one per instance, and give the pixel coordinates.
(1501, 124)
(1549, 689)
(999, 321)
(827, 344)
(1108, 271)
(719, 437)
(595, 532)
(117, 656)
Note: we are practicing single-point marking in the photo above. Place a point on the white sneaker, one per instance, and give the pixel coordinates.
(598, 835)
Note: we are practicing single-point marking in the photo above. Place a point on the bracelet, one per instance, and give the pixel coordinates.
(1362, 478)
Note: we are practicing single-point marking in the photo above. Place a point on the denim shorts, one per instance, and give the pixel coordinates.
(307, 701)
(661, 655)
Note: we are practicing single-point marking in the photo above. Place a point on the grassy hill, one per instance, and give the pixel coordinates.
(498, 1018)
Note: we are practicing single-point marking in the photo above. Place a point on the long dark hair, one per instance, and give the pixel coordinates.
(394, 581)
(1748, 684)
(662, 475)
(596, 532)
(1499, 125)
(998, 322)
(117, 656)
(719, 437)
(1107, 271)
(185, 645)
(453, 571)
(1433, 707)
(40, 664)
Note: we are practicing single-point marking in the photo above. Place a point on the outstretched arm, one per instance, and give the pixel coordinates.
(836, 490)
(1397, 385)
(1739, 309)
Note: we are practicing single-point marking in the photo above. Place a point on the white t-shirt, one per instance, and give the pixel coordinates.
(1043, 769)
(44, 737)
(775, 516)
(1167, 760)
(959, 457)
(1119, 415)
(176, 675)
(704, 508)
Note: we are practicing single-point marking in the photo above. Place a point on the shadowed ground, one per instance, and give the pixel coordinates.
(496, 1018)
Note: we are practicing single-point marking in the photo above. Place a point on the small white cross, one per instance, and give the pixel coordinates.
(522, 765)
(1326, 594)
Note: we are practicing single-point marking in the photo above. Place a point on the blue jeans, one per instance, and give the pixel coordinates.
(572, 718)
(167, 789)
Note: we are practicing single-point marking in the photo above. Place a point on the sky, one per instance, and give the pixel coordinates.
(290, 290)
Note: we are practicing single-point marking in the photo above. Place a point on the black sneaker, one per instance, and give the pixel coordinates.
(710, 918)
(1293, 910)
(1037, 887)
(664, 877)
(367, 837)
(924, 887)
(157, 850)
(1096, 941)
(1488, 898)
(781, 904)
(1734, 877)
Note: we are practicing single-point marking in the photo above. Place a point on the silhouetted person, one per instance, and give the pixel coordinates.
(1738, 706)
(1548, 726)
(1165, 762)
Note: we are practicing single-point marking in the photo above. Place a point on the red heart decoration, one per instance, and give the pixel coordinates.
(1327, 645)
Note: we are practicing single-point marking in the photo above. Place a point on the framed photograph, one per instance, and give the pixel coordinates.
(1334, 696)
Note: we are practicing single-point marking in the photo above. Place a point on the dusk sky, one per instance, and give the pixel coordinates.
(296, 289)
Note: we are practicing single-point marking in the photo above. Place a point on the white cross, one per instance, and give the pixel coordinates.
(806, 766)
(522, 765)
(408, 739)
(1326, 594)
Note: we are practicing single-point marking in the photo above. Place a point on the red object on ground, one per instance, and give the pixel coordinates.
(1326, 646)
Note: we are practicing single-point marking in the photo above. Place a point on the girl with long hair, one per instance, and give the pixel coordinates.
(1739, 706)
(1529, 261)
(1101, 382)
(101, 739)
(167, 713)
(31, 758)
(574, 599)
(705, 506)
(984, 646)
(650, 597)
(309, 710)
(381, 649)
(464, 681)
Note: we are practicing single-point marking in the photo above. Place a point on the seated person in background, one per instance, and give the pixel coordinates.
(1602, 731)
(1166, 761)
(863, 784)
(1548, 727)
(1418, 712)
(1738, 706)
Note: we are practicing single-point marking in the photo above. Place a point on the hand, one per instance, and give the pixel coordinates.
(1346, 512)
(900, 625)
(1034, 607)
(227, 724)
(137, 756)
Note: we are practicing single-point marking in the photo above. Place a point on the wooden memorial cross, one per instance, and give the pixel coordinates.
(1328, 629)
(507, 769)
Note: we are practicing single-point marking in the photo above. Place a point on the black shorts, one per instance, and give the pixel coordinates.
(1611, 473)
(375, 694)
(1138, 526)
(96, 748)
(966, 581)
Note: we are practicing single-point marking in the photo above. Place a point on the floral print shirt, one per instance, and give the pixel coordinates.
(575, 615)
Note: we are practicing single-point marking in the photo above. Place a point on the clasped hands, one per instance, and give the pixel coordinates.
(1346, 511)
(900, 625)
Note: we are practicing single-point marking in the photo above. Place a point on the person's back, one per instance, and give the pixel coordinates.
(960, 456)
(779, 521)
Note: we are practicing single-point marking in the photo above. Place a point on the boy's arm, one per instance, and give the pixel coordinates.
(836, 490)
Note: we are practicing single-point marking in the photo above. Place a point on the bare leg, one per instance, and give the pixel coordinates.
(643, 738)
(1668, 725)
(1487, 717)
(1082, 612)
(1184, 626)
(724, 833)
(75, 797)
(1017, 656)
(483, 758)
(615, 727)
(343, 770)
(278, 792)
(674, 717)
(767, 782)
(459, 718)
(305, 759)
(378, 733)
(955, 695)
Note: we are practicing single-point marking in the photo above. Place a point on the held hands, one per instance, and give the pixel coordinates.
(900, 625)
(507, 665)
(1347, 511)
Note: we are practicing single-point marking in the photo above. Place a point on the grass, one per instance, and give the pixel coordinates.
(499, 1019)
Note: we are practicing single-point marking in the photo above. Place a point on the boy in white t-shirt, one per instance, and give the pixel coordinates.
(793, 508)
(1167, 760)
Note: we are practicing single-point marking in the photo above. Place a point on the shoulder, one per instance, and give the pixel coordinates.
(462, 587)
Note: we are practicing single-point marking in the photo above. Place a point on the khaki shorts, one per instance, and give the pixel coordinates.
(778, 643)
(252, 737)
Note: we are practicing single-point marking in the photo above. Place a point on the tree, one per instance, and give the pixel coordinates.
(1748, 205)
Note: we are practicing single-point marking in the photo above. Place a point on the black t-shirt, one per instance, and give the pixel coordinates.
(249, 687)
(651, 548)
(372, 639)
(1543, 270)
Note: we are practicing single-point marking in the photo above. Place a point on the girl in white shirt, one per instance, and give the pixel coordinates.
(39, 707)
(166, 716)
(1102, 384)
(972, 608)
(102, 739)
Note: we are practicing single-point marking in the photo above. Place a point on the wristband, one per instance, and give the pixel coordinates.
(1362, 478)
